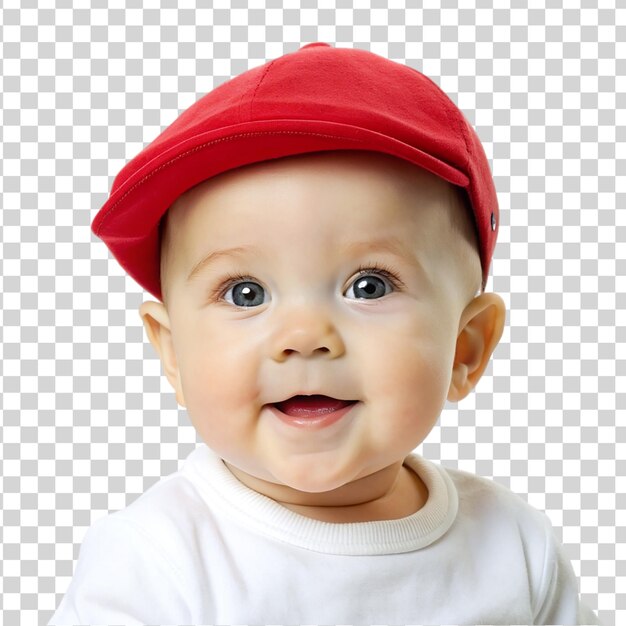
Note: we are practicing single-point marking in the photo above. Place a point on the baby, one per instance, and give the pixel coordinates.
(318, 233)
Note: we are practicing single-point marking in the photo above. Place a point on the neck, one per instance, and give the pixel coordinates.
(391, 493)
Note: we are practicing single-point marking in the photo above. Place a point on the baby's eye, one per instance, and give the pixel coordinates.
(370, 286)
(245, 294)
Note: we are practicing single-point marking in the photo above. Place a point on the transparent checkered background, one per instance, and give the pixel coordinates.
(88, 420)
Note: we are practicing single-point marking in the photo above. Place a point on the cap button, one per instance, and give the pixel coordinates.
(317, 43)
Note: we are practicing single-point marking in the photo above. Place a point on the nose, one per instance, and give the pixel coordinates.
(307, 334)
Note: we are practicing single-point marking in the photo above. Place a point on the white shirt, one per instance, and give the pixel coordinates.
(201, 547)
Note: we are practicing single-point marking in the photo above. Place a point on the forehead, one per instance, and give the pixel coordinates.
(340, 190)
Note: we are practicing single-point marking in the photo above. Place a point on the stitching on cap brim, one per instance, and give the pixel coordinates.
(370, 140)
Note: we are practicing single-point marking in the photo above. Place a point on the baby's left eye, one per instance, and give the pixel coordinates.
(370, 286)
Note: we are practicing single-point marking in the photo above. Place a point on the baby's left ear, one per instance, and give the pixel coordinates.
(480, 330)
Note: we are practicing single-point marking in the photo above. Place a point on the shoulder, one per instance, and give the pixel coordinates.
(145, 560)
(166, 515)
(499, 507)
(169, 501)
(496, 518)
(125, 573)
(163, 524)
(517, 545)
(155, 526)
(484, 497)
(523, 533)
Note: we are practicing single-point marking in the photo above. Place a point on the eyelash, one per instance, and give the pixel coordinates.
(384, 270)
(364, 270)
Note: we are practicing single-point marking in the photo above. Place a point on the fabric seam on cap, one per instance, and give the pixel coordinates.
(204, 145)
(445, 100)
(460, 126)
(261, 80)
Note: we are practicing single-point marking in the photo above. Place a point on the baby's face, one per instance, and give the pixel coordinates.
(326, 274)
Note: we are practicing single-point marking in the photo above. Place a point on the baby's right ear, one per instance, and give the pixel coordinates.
(156, 321)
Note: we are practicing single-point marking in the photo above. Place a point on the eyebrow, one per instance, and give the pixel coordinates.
(391, 245)
(217, 254)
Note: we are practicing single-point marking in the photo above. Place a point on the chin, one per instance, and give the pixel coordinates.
(315, 480)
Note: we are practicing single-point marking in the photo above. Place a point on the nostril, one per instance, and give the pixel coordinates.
(288, 351)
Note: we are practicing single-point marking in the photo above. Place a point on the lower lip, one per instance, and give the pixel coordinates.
(315, 422)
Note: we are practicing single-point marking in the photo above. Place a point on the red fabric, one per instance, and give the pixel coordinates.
(317, 98)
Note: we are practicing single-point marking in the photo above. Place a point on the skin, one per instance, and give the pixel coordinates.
(427, 339)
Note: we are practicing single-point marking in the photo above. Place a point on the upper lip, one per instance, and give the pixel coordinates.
(312, 393)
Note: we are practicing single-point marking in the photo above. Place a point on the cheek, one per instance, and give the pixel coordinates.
(219, 372)
(411, 370)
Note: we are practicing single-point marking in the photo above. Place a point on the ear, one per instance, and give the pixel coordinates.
(156, 321)
(480, 330)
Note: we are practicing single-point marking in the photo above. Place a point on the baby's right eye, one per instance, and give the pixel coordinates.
(245, 294)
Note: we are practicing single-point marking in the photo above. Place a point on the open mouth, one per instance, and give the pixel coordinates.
(311, 406)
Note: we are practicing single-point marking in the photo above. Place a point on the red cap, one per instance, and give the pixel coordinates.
(315, 99)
